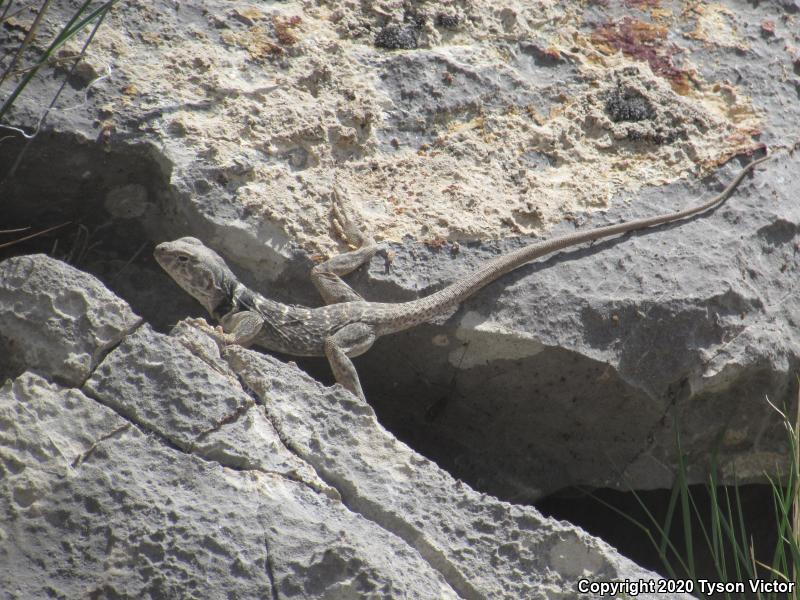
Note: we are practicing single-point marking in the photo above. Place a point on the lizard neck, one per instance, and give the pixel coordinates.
(228, 302)
(238, 297)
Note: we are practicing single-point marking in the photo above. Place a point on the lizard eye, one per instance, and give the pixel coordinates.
(183, 258)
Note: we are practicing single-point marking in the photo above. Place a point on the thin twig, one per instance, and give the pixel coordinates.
(33, 235)
(28, 39)
(101, 15)
(130, 260)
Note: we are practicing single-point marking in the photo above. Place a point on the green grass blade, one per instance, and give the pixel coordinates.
(725, 524)
(686, 513)
(781, 504)
(662, 554)
(32, 72)
(72, 28)
(671, 506)
(716, 545)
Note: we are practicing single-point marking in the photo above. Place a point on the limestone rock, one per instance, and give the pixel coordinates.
(176, 471)
(57, 320)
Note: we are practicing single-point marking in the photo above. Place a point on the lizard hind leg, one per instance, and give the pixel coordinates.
(350, 340)
(327, 275)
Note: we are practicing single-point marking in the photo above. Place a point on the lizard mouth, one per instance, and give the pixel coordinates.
(165, 257)
(160, 253)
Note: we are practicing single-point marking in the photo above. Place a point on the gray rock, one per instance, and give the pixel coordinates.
(93, 507)
(57, 320)
(457, 530)
(161, 476)
(158, 383)
(576, 370)
(397, 37)
(229, 124)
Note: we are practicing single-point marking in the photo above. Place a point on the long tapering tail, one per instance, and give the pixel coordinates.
(423, 309)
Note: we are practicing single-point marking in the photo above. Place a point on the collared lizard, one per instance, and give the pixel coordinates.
(348, 325)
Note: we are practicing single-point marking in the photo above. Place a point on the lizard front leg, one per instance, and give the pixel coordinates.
(350, 340)
(327, 275)
(239, 328)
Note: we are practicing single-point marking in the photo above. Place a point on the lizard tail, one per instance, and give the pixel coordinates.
(423, 309)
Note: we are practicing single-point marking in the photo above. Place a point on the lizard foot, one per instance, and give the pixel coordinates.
(348, 224)
(217, 333)
(197, 323)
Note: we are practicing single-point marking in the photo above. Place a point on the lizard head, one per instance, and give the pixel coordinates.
(197, 269)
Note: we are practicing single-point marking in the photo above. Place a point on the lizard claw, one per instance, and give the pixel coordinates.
(348, 224)
(196, 322)
(216, 332)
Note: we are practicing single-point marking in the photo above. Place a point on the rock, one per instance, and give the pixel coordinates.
(92, 506)
(447, 20)
(397, 37)
(526, 121)
(577, 370)
(57, 320)
(456, 529)
(176, 471)
(195, 404)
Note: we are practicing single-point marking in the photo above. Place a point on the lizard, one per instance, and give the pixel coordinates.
(348, 325)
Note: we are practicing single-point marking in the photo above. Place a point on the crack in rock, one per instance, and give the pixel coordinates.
(89, 451)
(270, 568)
(229, 419)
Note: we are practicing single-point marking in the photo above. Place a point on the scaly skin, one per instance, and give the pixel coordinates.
(349, 325)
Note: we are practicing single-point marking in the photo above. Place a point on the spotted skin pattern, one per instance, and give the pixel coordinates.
(348, 325)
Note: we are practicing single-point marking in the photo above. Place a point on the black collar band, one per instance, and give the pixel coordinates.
(226, 306)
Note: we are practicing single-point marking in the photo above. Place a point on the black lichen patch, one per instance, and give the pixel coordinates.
(397, 37)
(628, 106)
(447, 21)
(656, 137)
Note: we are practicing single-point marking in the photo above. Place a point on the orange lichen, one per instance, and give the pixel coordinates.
(642, 41)
(436, 243)
(258, 43)
(283, 29)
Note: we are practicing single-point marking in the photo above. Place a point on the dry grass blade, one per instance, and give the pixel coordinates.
(5, 16)
(74, 25)
(796, 501)
(33, 235)
(26, 42)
